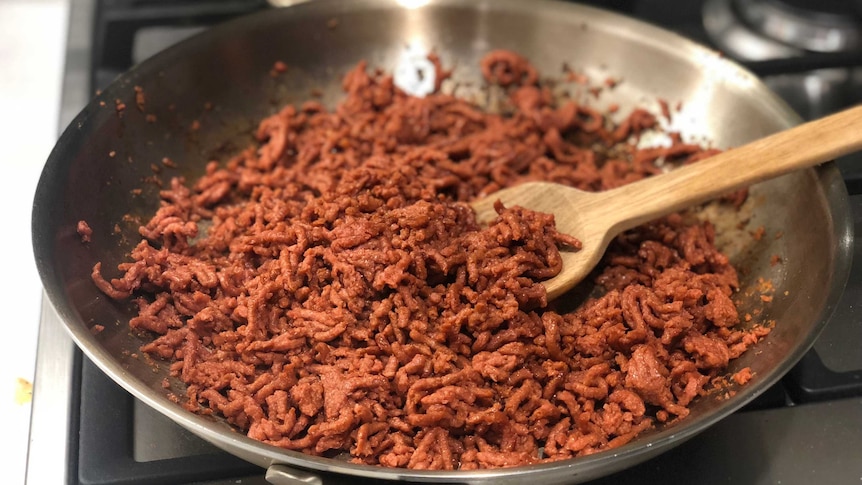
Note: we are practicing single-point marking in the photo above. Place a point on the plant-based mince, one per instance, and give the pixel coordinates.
(343, 298)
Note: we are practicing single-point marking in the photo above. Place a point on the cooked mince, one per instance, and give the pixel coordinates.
(85, 231)
(343, 298)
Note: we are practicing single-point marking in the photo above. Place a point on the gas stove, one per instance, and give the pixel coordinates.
(807, 428)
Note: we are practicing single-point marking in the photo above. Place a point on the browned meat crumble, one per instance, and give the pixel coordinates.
(85, 231)
(343, 298)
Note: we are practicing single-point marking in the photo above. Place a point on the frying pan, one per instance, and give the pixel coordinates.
(103, 169)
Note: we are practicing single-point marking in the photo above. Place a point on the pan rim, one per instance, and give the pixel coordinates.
(660, 441)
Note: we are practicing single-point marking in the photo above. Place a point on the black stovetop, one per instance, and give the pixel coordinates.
(806, 428)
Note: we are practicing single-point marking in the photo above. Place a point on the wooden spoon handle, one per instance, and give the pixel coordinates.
(799, 147)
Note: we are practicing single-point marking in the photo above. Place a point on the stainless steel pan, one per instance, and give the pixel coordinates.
(103, 156)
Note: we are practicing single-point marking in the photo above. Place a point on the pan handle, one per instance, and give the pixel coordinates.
(283, 475)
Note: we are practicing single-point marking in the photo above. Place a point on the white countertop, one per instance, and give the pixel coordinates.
(32, 49)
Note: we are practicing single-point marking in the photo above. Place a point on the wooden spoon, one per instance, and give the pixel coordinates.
(597, 217)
